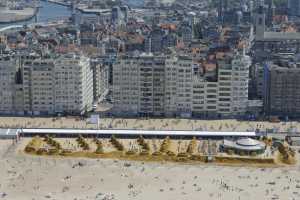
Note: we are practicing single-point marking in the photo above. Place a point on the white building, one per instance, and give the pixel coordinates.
(155, 85)
(7, 82)
(240, 82)
(38, 85)
(138, 85)
(178, 86)
(228, 94)
(125, 86)
(59, 84)
(73, 84)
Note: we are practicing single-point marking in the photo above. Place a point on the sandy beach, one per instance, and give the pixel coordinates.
(148, 124)
(36, 177)
(25, 177)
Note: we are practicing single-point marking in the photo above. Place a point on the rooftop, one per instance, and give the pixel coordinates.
(278, 36)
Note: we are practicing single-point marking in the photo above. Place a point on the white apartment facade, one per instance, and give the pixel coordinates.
(240, 83)
(176, 90)
(46, 86)
(73, 84)
(138, 85)
(38, 86)
(228, 95)
(126, 87)
(7, 81)
(178, 86)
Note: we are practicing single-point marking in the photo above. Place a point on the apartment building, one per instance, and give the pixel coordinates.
(46, 85)
(39, 86)
(225, 86)
(226, 94)
(198, 101)
(138, 85)
(7, 82)
(282, 89)
(73, 84)
(240, 83)
(178, 86)
(150, 85)
(125, 88)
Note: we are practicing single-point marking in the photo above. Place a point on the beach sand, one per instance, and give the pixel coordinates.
(25, 177)
(148, 124)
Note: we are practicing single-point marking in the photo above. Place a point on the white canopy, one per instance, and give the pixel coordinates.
(137, 132)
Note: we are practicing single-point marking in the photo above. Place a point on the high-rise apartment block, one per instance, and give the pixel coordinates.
(227, 94)
(178, 86)
(173, 86)
(7, 80)
(46, 85)
(138, 85)
(281, 90)
(74, 84)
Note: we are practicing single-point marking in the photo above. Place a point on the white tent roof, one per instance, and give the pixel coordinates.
(136, 132)
(247, 142)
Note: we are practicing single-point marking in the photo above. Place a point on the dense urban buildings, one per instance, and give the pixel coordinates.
(177, 86)
(202, 60)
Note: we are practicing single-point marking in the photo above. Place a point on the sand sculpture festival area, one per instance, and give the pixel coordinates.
(31, 176)
(24, 176)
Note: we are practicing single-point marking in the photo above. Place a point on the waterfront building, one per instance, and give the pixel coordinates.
(46, 85)
(39, 86)
(226, 93)
(281, 89)
(74, 84)
(150, 85)
(125, 86)
(240, 82)
(7, 82)
(178, 86)
(138, 85)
